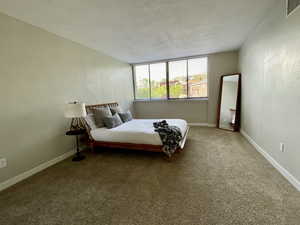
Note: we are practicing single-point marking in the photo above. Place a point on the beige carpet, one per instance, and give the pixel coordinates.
(218, 179)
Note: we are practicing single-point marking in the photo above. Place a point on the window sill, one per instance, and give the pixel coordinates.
(172, 100)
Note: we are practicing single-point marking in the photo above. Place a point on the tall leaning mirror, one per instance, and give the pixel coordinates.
(229, 102)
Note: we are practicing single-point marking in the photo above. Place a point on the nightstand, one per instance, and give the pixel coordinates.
(77, 132)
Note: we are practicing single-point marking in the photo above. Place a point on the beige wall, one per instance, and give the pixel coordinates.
(218, 65)
(194, 111)
(270, 66)
(39, 72)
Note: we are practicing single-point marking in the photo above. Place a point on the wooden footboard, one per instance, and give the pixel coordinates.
(182, 144)
(131, 146)
(142, 147)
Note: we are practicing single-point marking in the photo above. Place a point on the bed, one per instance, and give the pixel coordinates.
(137, 134)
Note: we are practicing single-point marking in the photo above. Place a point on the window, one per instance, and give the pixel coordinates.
(142, 90)
(197, 78)
(177, 79)
(158, 77)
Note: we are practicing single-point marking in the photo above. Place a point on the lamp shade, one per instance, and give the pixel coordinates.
(75, 110)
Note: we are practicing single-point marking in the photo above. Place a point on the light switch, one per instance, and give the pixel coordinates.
(282, 147)
(3, 162)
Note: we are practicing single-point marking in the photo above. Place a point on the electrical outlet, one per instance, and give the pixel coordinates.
(3, 162)
(282, 147)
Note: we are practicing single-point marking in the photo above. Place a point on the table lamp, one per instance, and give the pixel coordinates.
(76, 111)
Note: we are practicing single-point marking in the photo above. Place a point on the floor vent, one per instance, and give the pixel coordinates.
(292, 5)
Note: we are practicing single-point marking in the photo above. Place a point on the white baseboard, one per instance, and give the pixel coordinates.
(201, 125)
(34, 170)
(277, 166)
(211, 125)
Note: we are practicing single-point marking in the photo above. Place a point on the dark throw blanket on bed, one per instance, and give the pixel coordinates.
(169, 135)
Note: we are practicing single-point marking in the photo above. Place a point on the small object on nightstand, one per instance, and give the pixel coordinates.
(78, 156)
(76, 111)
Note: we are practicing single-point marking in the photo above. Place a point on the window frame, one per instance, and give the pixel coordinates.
(167, 61)
(167, 82)
(134, 82)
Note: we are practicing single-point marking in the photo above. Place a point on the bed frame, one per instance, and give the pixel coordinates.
(142, 147)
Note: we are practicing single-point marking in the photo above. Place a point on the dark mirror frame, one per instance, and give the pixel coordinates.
(236, 127)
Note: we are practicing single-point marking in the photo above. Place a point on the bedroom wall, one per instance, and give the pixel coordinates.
(39, 72)
(270, 66)
(194, 111)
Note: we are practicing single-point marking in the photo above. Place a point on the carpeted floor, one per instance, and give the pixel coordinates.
(218, 179)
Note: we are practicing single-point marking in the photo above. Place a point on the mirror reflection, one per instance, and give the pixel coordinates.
(229, 98)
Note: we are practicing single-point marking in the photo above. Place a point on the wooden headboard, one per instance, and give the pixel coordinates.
(113, 104)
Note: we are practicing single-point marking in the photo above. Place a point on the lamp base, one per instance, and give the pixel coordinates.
(76, 124)
(78, 157)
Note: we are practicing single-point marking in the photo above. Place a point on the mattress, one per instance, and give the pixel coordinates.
(136, 131)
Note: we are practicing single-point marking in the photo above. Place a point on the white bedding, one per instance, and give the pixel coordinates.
(136, 131)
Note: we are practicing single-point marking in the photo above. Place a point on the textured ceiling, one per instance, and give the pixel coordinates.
(145, 30)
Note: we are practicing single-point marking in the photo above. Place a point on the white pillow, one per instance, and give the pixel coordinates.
(100, 113)
(115, 109)
(90, 120)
